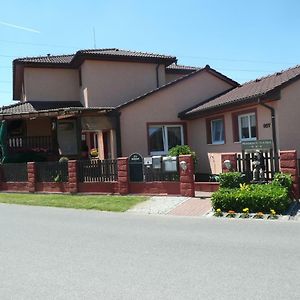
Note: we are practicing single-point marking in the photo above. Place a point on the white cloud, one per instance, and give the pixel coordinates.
(19, 27)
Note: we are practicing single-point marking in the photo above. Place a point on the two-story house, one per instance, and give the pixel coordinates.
(115, 101)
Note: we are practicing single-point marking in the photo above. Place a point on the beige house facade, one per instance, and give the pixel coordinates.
(264, 109)
(157, 112)
(120, 102)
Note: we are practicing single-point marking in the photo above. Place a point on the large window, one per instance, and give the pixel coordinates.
(247, 127)
(217, 131)
(164, 137)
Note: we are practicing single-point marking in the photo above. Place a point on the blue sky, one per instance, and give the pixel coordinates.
(242, 39)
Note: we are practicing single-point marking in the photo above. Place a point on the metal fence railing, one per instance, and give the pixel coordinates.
(36, 143)
(159, 175)
(53, 171)
(97, 170)
(14, 172)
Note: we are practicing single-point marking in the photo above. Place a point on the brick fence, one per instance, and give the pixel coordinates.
(185, 186)
(288, 165)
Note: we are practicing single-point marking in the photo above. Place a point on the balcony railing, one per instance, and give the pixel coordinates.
(30, 143)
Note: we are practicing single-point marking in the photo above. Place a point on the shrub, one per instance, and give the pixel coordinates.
(63, 159)
(181, 150)
(284, 180)
(258, 198)
(231, 180)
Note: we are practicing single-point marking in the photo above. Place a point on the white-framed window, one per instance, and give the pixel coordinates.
(164, 137)
(217, 131)
(247, 127)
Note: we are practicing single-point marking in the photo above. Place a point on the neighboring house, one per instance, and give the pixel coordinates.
(266, 108)
(114, 100)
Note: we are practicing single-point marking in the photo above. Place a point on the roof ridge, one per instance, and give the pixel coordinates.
(248, 92)
(98, 49)
(145, 52)
(270, 75)
(184, 66)
(13, 105)
(44, 56)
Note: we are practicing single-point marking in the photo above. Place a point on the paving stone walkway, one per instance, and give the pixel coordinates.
(176, 206)
(157, 205)
(192, 207)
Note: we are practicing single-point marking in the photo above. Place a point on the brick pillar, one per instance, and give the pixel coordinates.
(187, 182)
(289, 165)
(31, 171)
(233, 159)
(73, 179)
(1, 176)
(123, 176)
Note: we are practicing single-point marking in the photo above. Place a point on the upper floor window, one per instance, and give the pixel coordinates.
(163, 137)
(217, 131)
(247, 127)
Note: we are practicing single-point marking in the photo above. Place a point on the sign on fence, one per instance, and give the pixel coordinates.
(253, 146)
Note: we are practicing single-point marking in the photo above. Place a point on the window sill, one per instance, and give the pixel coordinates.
(216, 144)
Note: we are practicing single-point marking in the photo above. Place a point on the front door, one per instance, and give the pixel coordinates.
(67, 137)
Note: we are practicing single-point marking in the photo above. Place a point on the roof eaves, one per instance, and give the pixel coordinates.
(231, 104)
(81, 56)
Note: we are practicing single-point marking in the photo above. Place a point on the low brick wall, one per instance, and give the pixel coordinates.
(207, 186)
(14, 186)
(155, 188)
(98, 187)
(185, 186)
(52, 187)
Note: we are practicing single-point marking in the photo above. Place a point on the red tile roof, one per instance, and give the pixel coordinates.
(34, 107)
(174, 68)
(109, 53)
(252, 90)
(49, 59)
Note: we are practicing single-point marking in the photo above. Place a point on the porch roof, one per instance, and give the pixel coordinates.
(28, 109)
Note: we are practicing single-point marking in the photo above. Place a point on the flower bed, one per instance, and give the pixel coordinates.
(255, 198)
(246, 215)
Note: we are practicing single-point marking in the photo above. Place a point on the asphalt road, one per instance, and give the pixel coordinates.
(54, 253)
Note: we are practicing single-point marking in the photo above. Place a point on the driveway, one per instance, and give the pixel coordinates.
(55, 253)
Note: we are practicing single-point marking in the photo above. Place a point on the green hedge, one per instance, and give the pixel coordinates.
(284, 180)
(231, 179)
(258, 197)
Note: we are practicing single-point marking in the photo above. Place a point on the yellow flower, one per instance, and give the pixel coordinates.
(94, 152)
(245, 210)
(218, 210)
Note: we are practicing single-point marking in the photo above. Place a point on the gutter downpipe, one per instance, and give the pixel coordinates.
(157, 79)
(274, 135)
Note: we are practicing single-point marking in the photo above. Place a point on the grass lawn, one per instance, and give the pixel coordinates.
(98, 202)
